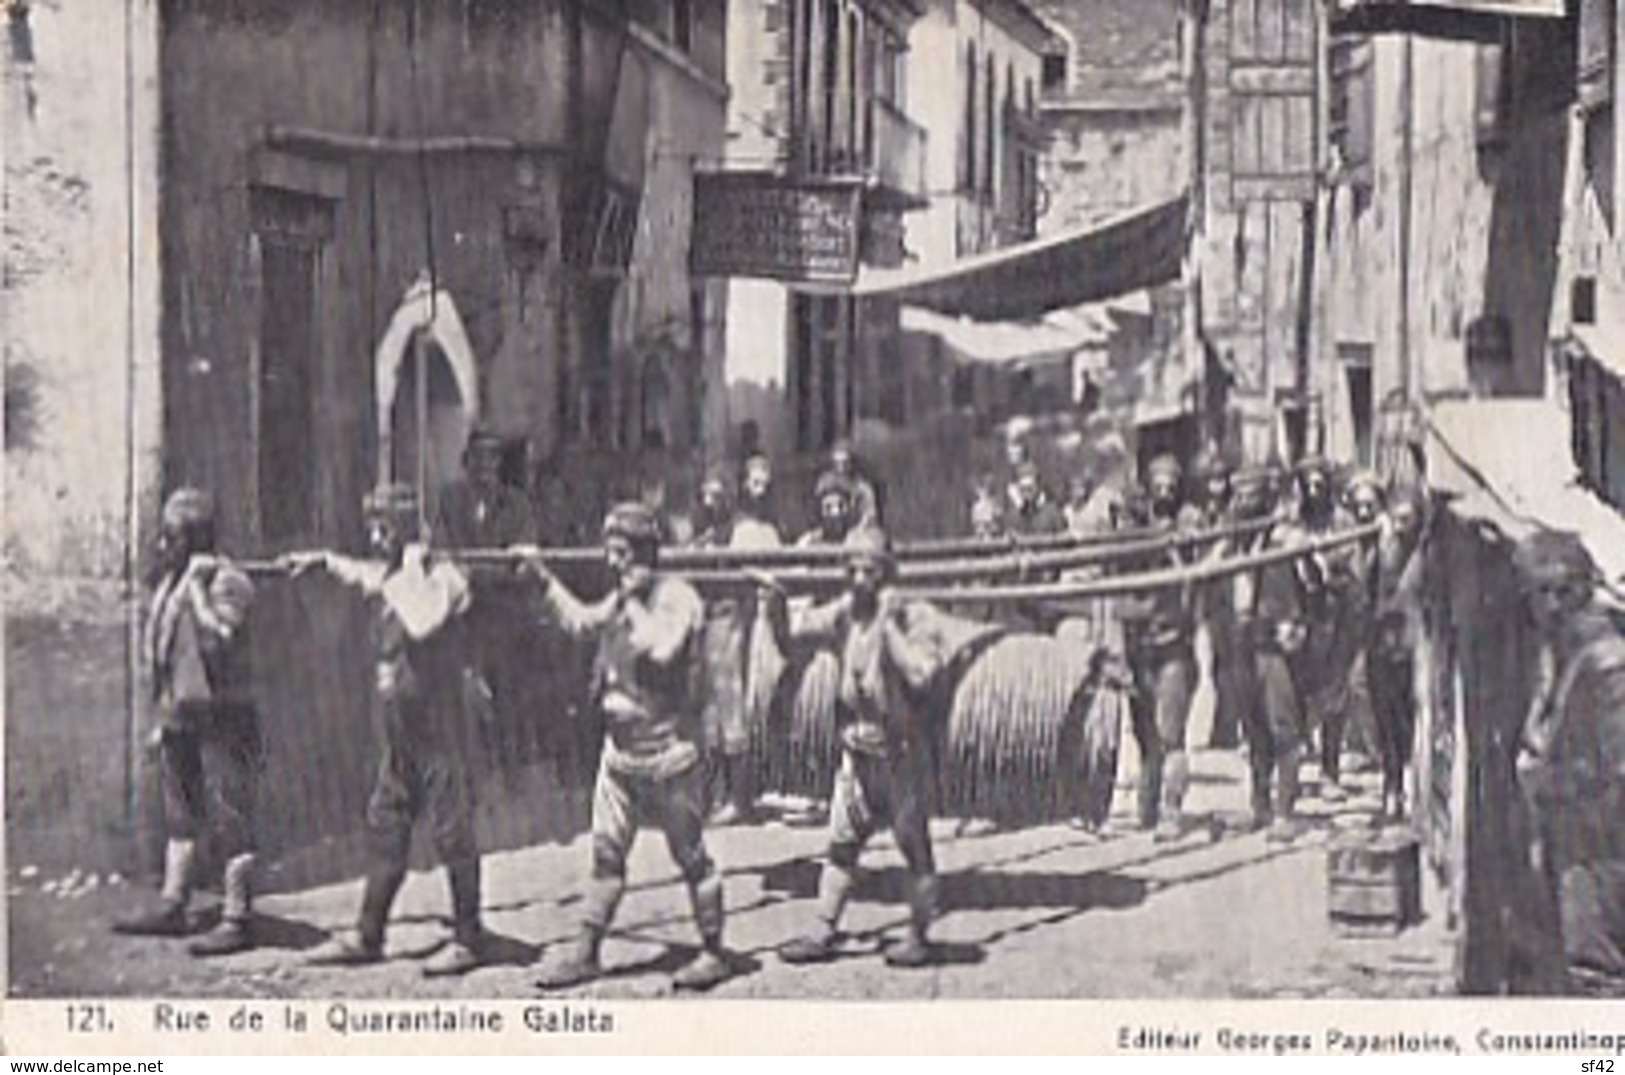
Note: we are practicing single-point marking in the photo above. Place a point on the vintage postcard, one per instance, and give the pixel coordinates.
(695, 525)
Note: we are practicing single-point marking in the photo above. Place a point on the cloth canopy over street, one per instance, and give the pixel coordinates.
(1025, 281)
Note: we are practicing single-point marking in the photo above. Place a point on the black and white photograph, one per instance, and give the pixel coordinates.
(813, 500)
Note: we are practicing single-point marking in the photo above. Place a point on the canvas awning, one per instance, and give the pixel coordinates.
(1026, 281)
(1011, 342)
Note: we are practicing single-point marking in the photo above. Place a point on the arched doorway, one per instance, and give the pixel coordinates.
(430, 332)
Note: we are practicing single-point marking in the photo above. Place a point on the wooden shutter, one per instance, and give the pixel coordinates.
(1272, 83)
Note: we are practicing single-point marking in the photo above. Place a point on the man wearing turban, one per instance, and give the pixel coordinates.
(208, 736)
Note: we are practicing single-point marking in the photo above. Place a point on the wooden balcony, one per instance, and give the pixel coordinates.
(896, 155)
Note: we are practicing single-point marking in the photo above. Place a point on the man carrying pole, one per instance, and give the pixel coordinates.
(885, 775)
(650, 631)
(208, 735)
(425, 687)
(1164, 662)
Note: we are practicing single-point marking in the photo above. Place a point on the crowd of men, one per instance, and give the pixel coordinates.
(1307, 652)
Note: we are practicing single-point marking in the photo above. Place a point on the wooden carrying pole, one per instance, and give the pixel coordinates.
(926, 559)
(966, 581)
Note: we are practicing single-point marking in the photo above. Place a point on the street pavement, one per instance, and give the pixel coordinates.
(1046, 912)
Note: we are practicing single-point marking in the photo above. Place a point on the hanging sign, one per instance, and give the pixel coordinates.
(766, 225)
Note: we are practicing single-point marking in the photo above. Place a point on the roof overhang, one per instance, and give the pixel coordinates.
(1470, 20)
(1507, 463)
(1022, 22)
(1603, 343)
(1025, 281)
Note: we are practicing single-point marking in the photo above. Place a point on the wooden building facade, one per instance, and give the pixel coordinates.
(382, 225)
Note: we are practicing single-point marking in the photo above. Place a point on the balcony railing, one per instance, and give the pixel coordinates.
(896, 152)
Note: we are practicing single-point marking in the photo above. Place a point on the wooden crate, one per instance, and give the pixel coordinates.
(1374, 881)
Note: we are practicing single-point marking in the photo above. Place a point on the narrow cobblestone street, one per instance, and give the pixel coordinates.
(1040, 913)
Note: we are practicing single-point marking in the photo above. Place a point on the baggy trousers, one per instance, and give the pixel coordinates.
(420, 776)
(621, 804)
(209, 772)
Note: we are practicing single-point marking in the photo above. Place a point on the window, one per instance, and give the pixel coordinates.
(822, 337)
(967, 164)
(655, 410)
(1598, 37)
(598, 364)
(290, 231)
(1029, 104)
(1600, 132)
(1356, 361)
(1054, 73)
(829, 101)
(1597, 48)
(682, 24)
(1583, 300)
(990, 143)
(888, 85)
(699, 329)
(1350, 118)
(1273, 70)
(802, 80)
(852, 95)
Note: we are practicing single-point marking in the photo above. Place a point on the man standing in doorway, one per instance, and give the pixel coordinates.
(481, 511)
